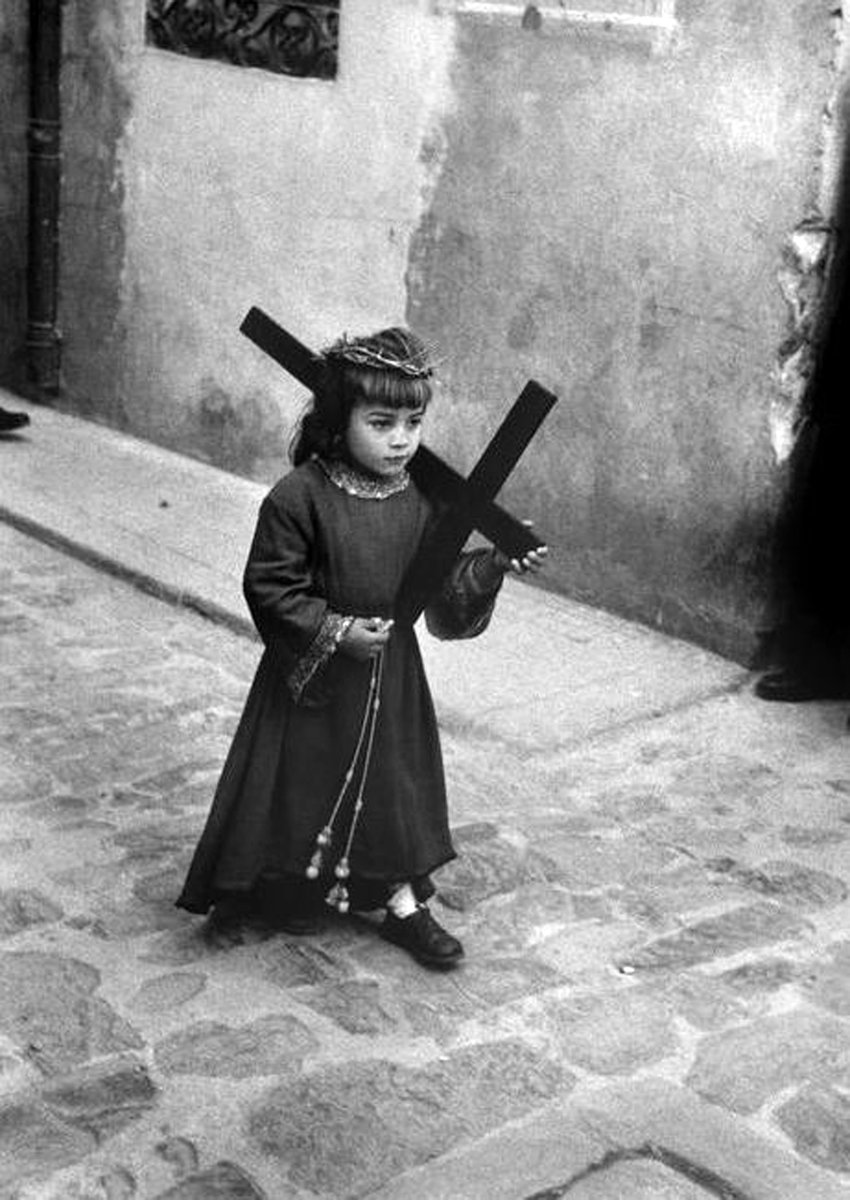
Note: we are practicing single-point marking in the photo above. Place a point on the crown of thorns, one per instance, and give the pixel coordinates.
(394, 350)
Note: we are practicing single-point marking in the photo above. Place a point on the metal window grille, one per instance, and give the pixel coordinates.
(288, 38)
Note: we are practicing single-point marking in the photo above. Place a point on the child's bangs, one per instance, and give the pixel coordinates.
(390, 389)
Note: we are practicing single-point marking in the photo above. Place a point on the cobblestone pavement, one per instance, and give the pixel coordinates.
(656, 1001)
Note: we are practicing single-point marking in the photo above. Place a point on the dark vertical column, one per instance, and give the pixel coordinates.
(811, 640)
(43, 341)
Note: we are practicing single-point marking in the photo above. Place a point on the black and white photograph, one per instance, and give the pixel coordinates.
(424, 617)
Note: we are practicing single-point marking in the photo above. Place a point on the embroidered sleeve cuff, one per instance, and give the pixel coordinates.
(331, 632)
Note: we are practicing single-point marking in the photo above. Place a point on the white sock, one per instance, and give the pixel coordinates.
(402, 903)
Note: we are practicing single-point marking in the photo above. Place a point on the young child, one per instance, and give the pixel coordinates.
(333, 790)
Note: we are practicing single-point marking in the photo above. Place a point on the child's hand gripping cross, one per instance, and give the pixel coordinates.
(497, 564)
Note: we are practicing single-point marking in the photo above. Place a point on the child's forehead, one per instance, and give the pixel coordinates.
(389, 410)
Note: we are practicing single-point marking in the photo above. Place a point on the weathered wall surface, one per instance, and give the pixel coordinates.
(99, 74)
(609, 219)
(13, 188)
(601, 208)
(212, 188)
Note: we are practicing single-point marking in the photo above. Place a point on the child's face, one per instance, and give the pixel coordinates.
(383, 440)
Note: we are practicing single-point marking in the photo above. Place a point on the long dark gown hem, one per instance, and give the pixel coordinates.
(201, 906)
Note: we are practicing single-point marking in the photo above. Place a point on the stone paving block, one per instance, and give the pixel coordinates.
(592, 953)
(48, 1007)
(485, 982)
(509, 923)
(488, 864)
(696, 835)
(21, 908)
(32, 1142)
(817, 1120)
(167, 992)
(511, 1163)
(359, 1006)
(658, 899)
(145, 844)
(160, 887)
(710, 1001)
(611, 1034)
(103, 1096)
(22, 783)
(491, 980)
(271, 1045)
(154, 895)
(827, 985)
(197, 941)
(725, 776)
(611, 1141)
(64, 805)
(630, 803)
(351, 1128)
(17, 1073)
(718, 937)
(812, 837)
(665, 1116)
(706, 1002)
(602, 860)
(134, 919)
(222, 1181)
(174, 778)
(294, 963)
(742, 1068)
(15, 623)
(793, 883)
(11, 848)
(634, 1179)
(761, 976)
(180, 1153)
(433, 1011)
(22, 721)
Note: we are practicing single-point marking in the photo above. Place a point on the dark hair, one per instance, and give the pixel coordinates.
(389, 368)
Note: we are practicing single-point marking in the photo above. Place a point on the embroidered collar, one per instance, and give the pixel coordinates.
(358, 483)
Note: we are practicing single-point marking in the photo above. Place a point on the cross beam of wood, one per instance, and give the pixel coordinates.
(464, 504)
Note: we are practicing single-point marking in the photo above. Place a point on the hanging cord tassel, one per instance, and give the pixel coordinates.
(338, 895)
(326, 834)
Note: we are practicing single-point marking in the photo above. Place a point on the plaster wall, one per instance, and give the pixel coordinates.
(600, 207)
(232, 187)
(609, 219)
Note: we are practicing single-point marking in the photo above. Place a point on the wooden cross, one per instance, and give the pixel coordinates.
(464, 504)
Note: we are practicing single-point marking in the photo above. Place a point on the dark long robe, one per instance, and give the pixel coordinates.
(320, 557)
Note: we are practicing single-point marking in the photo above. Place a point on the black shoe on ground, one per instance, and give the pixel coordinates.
(423, 937)
(795, 689)
(10, 421)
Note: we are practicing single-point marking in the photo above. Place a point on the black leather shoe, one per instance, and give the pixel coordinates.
(420, 935)
(9, 421)
(795, 689)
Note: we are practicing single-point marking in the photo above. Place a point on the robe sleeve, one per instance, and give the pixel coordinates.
(466, 601)
(289, 611)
